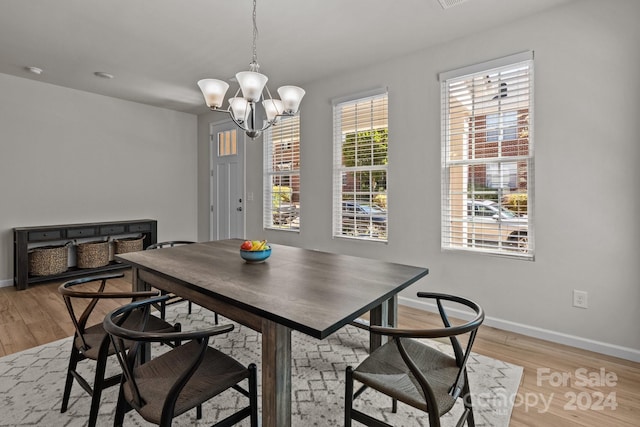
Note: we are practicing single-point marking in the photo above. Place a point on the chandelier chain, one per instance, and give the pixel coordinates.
(255, 36)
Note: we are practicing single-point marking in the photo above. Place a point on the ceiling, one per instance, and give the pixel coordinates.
(158, 49)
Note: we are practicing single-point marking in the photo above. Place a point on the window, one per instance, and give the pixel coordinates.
(227, 143)
(282, 175)
(487, 157)
(361, 136)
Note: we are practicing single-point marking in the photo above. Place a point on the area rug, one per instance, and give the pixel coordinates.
(32, 382)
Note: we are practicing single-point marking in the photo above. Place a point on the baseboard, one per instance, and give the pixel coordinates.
(6, 283)
(535, 332)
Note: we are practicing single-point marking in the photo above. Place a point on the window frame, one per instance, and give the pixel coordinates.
(460, 160)
(370, 223)
(286, 132)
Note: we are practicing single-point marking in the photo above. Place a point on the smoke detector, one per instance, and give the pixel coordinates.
(446, 4)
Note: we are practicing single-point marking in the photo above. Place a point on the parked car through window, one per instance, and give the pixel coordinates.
(490, 224)
(363, 218)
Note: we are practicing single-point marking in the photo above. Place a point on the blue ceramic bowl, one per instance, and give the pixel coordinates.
(254, 257)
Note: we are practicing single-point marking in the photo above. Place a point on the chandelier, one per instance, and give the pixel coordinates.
(243, 109)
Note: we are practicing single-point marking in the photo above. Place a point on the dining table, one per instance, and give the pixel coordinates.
(295, 289)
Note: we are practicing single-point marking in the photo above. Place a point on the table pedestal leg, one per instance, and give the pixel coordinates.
(386, 314)
(137, 283)
(276, 375)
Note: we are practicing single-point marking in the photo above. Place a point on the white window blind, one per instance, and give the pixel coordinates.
(361, 136)
(487, 159)
(282, 175)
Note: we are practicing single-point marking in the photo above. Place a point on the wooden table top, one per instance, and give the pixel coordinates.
(310, 291)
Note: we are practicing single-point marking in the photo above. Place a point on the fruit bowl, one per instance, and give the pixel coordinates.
(255, 257)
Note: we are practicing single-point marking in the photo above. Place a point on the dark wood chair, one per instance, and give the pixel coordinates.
(180, 379)
(92, 342)
(162, 306)
(423, 377)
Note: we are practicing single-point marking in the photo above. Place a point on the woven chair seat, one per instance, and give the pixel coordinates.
(217, 373)
(384, 370)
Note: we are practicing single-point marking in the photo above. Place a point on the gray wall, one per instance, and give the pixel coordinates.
(587, 101)
(68, 156)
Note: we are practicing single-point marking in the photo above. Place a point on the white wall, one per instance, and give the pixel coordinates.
(68, 156)
(587, 103)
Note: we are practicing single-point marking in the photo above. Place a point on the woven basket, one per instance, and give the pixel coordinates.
(92, 254)
(131, 244)
(48, 260)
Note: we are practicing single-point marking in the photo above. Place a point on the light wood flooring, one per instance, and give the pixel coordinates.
(554, 390)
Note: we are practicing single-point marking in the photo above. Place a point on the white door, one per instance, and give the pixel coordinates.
(227, 182)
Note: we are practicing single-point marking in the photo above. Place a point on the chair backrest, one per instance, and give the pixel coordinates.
(448, 331)
(169, 244)
(127, 354)
(69, 293)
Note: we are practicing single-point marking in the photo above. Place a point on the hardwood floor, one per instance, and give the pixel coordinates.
(561, 385)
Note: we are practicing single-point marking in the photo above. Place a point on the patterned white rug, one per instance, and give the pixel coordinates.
(32, 382)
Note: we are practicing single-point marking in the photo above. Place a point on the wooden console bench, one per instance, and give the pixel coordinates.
(25, 238)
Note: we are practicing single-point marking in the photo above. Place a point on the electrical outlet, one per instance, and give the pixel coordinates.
(580, 299)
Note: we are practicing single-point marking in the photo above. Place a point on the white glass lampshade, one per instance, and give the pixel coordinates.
(213, 91)
(239, 108)
(252, 84)
(291, 97)
(272, 108)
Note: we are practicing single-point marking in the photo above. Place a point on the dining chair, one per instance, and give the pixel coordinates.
(92, 342)
(409, 370)
(180, 379)
(162, 306)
